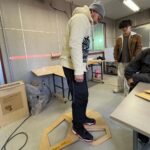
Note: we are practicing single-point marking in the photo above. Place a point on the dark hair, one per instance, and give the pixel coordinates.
(125, 23)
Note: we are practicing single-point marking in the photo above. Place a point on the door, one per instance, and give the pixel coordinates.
(2, 71)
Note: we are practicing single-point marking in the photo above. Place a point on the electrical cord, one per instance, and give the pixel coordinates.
(12, 136)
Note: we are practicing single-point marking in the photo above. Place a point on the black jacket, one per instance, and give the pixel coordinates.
(139, 67)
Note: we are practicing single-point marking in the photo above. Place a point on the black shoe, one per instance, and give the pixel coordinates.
(144, 139)
(83, 134)
(89, 121)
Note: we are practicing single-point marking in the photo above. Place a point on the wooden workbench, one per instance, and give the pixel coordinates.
(48, 70)
(134, 112)
(57, 70)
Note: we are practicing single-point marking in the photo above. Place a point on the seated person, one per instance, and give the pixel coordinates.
(138, 70)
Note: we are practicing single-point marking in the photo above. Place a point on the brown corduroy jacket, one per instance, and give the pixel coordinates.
(135, 46)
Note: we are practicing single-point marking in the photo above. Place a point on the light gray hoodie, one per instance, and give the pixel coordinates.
(76, 45)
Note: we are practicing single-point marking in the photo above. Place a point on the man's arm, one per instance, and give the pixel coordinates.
(138, 46)
(141, 77)
(134, 66)
(116, 51)
(78, 29)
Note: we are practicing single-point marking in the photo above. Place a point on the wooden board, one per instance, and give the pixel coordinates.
(147, 91)
(70, 137)
(144, 95)
(57, 69)
(48, 70)
(93, 62)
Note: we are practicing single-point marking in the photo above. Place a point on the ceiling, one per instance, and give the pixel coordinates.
(146, 26)
(115, 9)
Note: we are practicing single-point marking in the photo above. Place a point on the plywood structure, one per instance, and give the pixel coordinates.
(147, 91)
(70, 137)
(144, 95)
(48, 70)
(52, 70)
(94, 62)
(57, 69)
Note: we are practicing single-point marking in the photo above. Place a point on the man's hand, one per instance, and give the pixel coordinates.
(130, 81)
(79, 78)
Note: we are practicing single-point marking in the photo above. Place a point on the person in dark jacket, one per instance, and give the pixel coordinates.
(138, 70)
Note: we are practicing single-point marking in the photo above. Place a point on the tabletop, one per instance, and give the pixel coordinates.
(135, 111)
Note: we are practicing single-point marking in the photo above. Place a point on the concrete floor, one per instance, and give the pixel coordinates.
(101, 99)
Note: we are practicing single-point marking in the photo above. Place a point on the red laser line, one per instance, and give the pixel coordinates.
(29, 56)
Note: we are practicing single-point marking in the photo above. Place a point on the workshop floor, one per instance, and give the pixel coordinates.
(101, 99)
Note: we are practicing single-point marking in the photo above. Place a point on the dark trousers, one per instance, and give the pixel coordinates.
(79, 93)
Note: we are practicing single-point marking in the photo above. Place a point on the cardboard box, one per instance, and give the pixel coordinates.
(13, 103)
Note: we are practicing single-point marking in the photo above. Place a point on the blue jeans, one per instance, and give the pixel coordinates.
(79, 93)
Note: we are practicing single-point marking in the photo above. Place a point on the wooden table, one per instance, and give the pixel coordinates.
(55, 70)
(97, 62)
(135, 113)
(48, 70)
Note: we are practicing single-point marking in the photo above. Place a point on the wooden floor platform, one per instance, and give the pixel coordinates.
(70, 138)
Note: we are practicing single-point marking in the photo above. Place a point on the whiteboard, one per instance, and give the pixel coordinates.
(109, 54)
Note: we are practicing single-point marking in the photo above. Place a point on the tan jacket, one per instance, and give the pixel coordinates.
(135, 46)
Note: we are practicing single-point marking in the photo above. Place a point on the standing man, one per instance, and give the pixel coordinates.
(74, 62)
(128, 45)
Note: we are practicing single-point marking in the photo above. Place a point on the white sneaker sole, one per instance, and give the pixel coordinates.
(117, 91)
(74, 132)
(89, 124)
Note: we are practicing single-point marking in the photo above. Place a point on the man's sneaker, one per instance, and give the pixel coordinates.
(89, 121)
(83, 134)
(117, 91)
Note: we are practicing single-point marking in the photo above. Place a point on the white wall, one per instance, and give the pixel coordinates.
(138, 19)
(110, 32)
(31, 27)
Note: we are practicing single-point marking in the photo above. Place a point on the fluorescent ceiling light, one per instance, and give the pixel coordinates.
(131, 5)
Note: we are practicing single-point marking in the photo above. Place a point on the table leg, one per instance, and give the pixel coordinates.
(92, 71)
(135, 140)
(101, 67)
(54, 83)
(63, 90)
(49, 79)
(69, 94)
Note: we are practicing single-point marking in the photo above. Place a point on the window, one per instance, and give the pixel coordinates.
(98, 42)
(144, 31)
